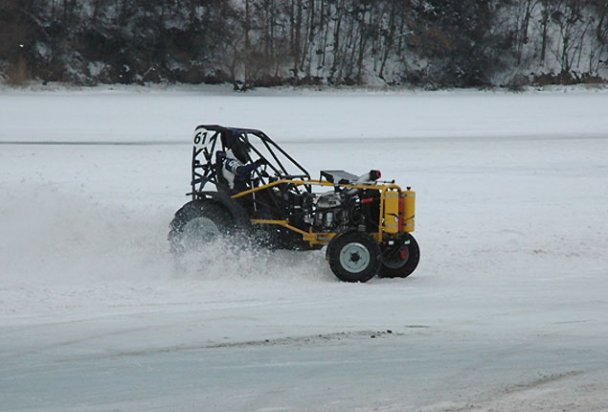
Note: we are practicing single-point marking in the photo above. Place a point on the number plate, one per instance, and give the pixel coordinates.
(200, 137)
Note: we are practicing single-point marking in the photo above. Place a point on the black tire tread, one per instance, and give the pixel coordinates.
(409, 267)
(194, 209)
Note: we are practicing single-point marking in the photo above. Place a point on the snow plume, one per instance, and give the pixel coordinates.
(50, 237)
(243, 260)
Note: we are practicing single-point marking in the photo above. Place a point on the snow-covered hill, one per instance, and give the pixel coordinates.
(423, 43)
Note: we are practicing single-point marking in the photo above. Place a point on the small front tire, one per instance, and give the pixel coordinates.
(354, 257)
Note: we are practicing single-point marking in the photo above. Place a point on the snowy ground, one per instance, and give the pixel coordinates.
(507, 310)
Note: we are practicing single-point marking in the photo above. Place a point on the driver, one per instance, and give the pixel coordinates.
(237, 168)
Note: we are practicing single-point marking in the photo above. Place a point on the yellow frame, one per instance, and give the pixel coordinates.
(314, 238)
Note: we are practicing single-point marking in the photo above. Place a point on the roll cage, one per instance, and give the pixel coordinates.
(206, 167)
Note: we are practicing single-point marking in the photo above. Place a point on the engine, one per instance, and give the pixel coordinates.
(336, 210)
(329, 212)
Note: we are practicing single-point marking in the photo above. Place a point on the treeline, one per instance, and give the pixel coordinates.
(425, 43)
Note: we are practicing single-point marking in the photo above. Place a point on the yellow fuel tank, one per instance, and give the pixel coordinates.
(407, 210)
(391, 211)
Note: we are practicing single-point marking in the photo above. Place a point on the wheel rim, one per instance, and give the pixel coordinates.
(399, 260)
(355, 257)
(199, 231)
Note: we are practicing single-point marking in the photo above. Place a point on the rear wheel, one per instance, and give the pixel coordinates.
(354, 257)
(196, 224)
(401, 259)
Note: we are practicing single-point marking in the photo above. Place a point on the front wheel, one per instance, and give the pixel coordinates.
(354, 257)
(401, 259)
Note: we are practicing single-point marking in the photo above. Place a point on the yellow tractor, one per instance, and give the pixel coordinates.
(263, 193)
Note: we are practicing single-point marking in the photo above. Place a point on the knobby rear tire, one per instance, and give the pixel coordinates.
(206, 215)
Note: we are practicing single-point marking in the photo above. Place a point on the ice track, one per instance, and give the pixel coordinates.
(506, 312)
